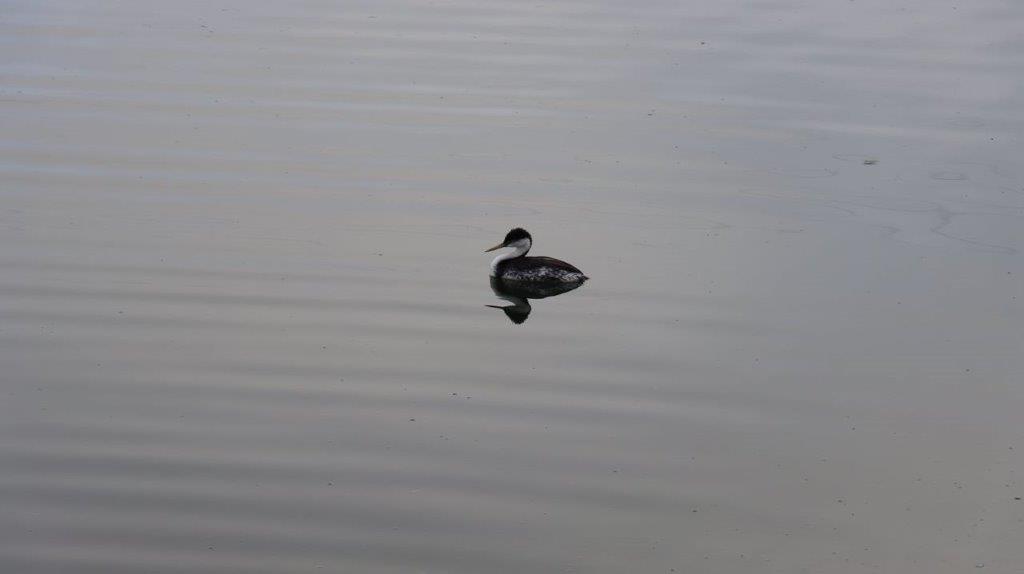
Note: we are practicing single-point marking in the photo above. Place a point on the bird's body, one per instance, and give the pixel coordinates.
(516, 266)
(537, 269)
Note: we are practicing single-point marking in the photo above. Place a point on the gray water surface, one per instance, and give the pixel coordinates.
(243, 300)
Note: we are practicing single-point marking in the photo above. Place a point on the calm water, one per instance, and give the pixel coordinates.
(243, 302)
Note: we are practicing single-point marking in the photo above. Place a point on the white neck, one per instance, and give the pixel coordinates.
(519, 248)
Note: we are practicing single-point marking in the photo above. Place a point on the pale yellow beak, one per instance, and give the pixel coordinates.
(498, 246)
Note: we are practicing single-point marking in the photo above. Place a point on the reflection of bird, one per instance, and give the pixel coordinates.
(518, 311)
(515, 266)
(519, 293)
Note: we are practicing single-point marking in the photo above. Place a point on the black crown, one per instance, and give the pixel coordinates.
(517, 234)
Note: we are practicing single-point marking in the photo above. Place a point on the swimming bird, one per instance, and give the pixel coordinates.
(516, 266)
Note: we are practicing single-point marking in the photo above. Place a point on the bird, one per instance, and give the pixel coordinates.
(516, 266)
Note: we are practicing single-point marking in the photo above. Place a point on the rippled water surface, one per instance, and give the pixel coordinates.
(243, 300)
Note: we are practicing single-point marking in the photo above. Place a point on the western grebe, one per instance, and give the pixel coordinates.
(515, 266)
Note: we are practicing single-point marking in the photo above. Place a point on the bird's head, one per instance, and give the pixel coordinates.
(519, 239)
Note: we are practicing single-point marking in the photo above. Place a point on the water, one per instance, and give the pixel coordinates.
(244, 322)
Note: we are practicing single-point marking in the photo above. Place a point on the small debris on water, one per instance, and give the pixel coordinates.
(870, 161)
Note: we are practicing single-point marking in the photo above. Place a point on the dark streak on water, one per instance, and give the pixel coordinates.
(243, 322)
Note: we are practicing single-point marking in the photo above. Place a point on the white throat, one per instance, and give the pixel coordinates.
(519, 248)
